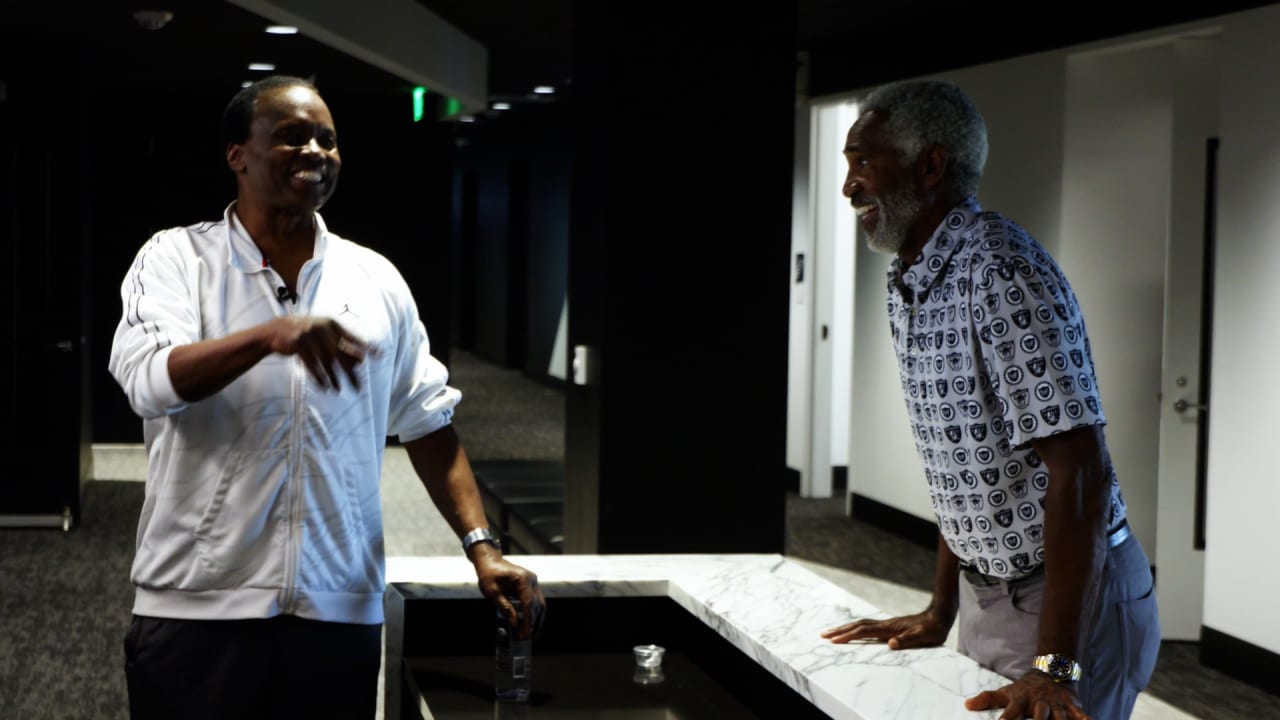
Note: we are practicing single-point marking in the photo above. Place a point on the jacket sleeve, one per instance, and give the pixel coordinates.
(421, 400)
(159, 312)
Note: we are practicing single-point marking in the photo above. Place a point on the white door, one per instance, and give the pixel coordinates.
(1180, 511)
(821, 360)
(1138, 120)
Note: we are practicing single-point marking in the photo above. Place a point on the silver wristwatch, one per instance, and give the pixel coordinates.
(1059, 668)
(479, 535)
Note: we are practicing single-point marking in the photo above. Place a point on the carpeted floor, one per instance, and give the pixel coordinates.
(65, 597)
(64, 609)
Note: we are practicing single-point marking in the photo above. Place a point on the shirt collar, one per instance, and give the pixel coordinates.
(245, 253)
(938, 251)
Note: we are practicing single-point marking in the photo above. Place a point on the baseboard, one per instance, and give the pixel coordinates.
(1241, 660)
(890, 519)
(839, 479)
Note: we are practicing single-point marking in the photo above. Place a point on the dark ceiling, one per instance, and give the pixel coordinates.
(209, 43)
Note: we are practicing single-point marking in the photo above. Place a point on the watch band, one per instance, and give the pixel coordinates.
(1059, 668)
(479, 535)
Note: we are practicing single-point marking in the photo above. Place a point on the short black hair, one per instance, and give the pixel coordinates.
(238, 115)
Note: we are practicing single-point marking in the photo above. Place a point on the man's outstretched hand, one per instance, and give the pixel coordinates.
(908, 631)
(1033, 695)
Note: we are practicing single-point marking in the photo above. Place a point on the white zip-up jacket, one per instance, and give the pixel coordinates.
(263, 499)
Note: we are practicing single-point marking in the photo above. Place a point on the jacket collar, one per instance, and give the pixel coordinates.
(246, 256)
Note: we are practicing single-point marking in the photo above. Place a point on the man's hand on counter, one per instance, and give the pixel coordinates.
(925, 629)
(1034, 695)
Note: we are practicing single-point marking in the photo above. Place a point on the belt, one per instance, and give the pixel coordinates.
(1114, 537)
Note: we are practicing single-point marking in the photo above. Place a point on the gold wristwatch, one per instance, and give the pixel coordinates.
(1059, 668)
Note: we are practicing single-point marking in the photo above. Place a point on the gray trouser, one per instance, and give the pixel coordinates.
(1000, 624)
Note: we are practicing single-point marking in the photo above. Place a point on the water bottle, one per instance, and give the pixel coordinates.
(513, 658)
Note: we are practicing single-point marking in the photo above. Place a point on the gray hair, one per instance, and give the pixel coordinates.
(924, 112)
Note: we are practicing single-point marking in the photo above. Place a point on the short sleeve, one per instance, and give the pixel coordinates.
(1034, 344)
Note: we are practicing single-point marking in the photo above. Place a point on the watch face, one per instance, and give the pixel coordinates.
(1060, 667)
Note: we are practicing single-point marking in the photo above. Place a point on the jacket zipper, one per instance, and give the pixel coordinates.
(293, 547)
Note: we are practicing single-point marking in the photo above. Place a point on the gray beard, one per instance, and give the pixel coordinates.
(898, 210)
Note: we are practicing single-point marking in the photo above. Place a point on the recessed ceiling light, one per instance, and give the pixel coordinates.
(282, 30)
(466, 118)
(502, 106)
(152, 19)
(263, 67)
(544, 90)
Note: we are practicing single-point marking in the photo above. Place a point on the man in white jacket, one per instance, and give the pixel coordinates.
(270, 359)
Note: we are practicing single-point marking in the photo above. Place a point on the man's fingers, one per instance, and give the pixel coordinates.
(860, 630)
(507, 609)
(349, 366)
(317, 369)
(912, 637)
(986, 700)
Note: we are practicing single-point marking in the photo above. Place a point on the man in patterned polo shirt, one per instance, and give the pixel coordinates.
(1035, 558)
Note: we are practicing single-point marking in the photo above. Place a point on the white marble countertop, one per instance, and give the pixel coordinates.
(768, 606)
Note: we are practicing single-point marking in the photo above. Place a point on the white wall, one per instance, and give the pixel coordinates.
(800, 326)
(558, 365)
(1115, 207)
(1242, 574)
(833, 270)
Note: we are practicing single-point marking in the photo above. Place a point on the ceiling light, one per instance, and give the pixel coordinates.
(152, 19)
(282, 30)
(544, 90)
(502, 106)
(246, 83)
(466, 119)
(262, 67)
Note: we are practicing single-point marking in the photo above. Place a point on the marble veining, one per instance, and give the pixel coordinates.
(769, 607)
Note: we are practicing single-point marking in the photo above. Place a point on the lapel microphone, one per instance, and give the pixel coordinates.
(283, 293)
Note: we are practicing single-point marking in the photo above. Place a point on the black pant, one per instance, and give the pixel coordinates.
(277, 668)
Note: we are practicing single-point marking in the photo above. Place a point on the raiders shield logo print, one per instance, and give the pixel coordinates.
(1036, 366)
